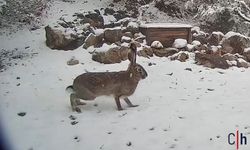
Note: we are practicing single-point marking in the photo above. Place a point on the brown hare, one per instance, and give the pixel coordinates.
(90, 85)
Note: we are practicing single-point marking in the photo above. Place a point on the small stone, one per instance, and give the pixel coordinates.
(151, 129)
(74, 122)
(21, 114)
(188, 69)
(17, 78)
(129, 143)
(109, 132)
(95, 105)
(210, 89)
(72, 62)
(18, 84)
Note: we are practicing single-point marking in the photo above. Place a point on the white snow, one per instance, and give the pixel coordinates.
(190, 47)
(133, 25)
(98, 31)
(126, 38)
(231, 33)
(180, 43)
(218, 33)
(165, 25)
(156, 44)
(196, 43)
(176, 108)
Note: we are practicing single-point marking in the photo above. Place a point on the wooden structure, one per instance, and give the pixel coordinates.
(166, 33)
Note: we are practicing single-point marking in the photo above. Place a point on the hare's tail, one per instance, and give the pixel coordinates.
(70, 89)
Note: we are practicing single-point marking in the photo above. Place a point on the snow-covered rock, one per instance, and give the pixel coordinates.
(113, 35)
(165, 52)
(156, 44)
(247, 53)
(65, 39)
(126, 39)
(242, 63)
(196, 43)
(211, 61)
(215, 38)
(180, 43)
(237, 41)
(112, 55)
(181, 56)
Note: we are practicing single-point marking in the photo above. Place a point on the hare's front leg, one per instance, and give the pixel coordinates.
(118, 103)
(129, 102)
(74, 101)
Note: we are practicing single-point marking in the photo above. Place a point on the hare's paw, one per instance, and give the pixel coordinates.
(120, 109)
(77, 109)
(133, 105)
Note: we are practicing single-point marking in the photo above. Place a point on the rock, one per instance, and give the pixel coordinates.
(58, 39)
(211, 61)
(156, 45)
(133, 27)
(216, 50)
(242, 63)
(215, 38)
(182, 57)
(95, 19)
(146, 52)
(113, 35)
(72, 61)
(128, 34)
(200, 36)
(113, 55)
(120, 14)
(196, 43)
(109, 11)
(165, 52)
(236, 42)
(230, 57)
(180, 43)
(21, 114)
(247, 54)
(190, 47)
(91, 40)
(126, 39)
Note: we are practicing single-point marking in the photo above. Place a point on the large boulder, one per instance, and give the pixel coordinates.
(62, 39)
(113, 55)
(215, 38)
(211, 61)
(113, 35)
(236, 42)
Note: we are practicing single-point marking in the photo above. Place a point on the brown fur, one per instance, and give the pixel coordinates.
(90, 85)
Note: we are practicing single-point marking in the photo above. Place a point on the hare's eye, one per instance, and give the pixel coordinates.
(138, 69)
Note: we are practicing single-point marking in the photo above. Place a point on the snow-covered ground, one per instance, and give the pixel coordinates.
(179, 109)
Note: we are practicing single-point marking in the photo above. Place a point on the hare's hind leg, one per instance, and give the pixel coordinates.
(118, 103)
(75, 101)
(129, 102)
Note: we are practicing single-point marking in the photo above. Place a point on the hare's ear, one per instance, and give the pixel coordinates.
(132, 54)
